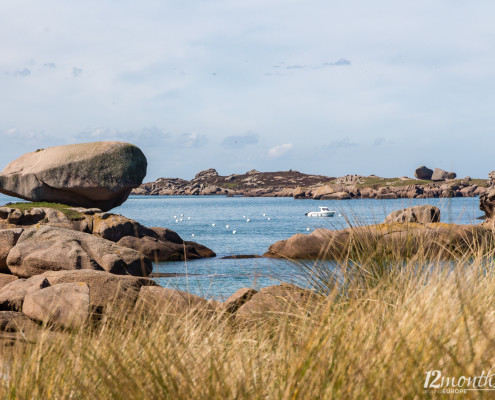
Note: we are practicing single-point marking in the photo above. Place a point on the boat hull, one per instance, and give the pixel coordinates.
(321, 214)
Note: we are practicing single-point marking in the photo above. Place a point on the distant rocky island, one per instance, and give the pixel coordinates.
(426, 184)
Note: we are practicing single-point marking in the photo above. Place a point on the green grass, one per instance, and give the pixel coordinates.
(385, 182)
(70, 213)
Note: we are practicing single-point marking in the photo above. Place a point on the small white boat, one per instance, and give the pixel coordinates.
(324, 212)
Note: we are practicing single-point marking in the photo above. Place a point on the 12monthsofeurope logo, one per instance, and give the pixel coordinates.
(437, 382)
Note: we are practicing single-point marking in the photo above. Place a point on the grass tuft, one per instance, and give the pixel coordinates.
(68, 211)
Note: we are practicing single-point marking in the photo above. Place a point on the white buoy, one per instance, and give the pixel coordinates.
(244, 216)
(180, 219)
(307, 229)
(182, 215)
(176, 220)
(188, 217)
(227, 226)
(248, 220)
(193, 234)
(234, 232)
(175, 216)
(264, 215)
(269, 218)
(213, 224)
(340, 215)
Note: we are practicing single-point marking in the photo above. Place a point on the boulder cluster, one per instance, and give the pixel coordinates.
(425, 173)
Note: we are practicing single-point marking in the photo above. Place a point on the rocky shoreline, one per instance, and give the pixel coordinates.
(303, 186)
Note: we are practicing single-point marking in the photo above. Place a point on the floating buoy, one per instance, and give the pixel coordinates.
(227, 226)
(213, 224)
(175, 216)
(264, 215)
(193, 234)
(244, 216)
(180, 219)
(269, 218)
(234, 232)
(176, 220)
(248, 220)
(188, 217)
(340, 215)
(307, 229)
(182, 215)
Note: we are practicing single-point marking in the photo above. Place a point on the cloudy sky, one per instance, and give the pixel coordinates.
(320, 86)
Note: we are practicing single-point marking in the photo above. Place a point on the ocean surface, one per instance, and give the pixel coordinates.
(204, 219)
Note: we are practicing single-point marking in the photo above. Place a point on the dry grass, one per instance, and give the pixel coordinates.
(379, 330)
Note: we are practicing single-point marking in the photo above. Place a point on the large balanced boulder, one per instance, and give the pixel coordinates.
(421, 214)
(423, 173)
(99, 174)
(49, 248)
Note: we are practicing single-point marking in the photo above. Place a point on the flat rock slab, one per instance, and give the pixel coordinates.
(53, 249)
(65, 305)
(98, 174)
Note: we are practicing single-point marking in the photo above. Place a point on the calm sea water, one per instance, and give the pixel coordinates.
(271, 219)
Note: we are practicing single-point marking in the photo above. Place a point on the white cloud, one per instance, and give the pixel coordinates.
(280, 150)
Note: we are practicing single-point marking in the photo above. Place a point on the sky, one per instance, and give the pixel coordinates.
(319, 86)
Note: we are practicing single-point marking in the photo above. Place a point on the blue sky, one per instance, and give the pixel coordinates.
(320, 86)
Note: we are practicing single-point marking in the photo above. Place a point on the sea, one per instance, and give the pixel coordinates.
(249, 225)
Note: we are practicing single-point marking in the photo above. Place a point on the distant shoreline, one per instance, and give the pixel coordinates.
(305, 186)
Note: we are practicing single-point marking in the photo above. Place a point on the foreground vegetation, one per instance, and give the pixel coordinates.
(381, 325)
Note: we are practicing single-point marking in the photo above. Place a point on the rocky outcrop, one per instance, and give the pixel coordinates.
(105, 290)
(420, 214)
(302, 186)
(238, 299)
(402, 240)
(423, 173)
(5, 279)
(12, 295)
(65, 305)
(99, 174)
(8, 239)
(279, 300)
(158, 244)
(487, 200)
(51, 249)
(441, 175)
(170, 301)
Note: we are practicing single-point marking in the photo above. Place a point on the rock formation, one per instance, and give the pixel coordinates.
(99, 174)
(423, 173)
(441, 175)
(420, 214)
(158, 244)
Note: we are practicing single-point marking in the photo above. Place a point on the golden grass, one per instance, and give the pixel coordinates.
(380, 328)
